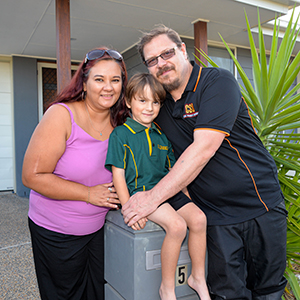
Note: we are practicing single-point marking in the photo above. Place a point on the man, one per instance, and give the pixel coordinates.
(228, 172)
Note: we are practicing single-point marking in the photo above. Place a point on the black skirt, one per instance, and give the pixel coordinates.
(68, 266)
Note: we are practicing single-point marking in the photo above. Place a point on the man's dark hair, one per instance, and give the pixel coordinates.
(156, 31)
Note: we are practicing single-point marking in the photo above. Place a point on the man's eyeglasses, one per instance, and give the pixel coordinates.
(95, 54)
(151, 62)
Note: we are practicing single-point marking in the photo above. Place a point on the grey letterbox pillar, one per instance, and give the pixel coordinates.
(132, 262)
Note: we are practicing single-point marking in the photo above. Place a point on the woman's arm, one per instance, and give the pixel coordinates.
(45, 148)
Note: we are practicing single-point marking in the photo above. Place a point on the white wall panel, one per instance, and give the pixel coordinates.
(6, 129)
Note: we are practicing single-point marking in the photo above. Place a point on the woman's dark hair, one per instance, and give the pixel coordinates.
(74, 90)
(137, 83)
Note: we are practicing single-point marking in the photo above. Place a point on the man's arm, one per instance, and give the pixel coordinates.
(188, 166)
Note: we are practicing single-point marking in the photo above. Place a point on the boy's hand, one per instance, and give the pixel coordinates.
(139, 224)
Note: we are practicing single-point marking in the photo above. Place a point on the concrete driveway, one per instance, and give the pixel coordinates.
(17, 274)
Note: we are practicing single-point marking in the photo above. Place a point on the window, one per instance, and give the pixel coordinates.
(222, 58)
(47, 84)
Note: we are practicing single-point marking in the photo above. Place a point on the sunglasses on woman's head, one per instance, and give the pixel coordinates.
(95, 54)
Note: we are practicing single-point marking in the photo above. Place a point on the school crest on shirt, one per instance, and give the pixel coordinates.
(190, 111)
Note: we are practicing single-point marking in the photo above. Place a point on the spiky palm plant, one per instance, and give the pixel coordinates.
(275, 109)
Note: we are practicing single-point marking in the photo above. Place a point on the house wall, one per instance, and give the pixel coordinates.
(134, 63)
(25, 111)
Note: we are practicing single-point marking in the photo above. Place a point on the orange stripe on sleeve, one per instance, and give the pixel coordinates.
(226, 133)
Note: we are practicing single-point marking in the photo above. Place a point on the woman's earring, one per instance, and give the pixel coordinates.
(83, 95)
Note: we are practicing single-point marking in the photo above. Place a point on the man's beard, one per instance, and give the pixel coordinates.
(169, 87)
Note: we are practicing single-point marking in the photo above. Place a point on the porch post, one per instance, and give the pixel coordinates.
(63, 43)
(200, 39)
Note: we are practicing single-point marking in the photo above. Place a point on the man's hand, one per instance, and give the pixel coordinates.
(139, 205)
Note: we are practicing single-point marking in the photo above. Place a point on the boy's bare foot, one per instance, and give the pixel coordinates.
(200, 287)
(167, 294)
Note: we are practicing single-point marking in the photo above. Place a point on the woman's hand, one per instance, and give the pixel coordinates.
(104, 195)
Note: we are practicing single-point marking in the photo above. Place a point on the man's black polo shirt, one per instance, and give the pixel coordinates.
(240, 182)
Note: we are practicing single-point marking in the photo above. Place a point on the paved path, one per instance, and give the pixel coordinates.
(17, 275)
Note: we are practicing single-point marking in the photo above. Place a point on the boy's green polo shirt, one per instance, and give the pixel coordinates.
(145, 153)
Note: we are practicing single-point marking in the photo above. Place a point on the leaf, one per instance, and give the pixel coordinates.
(273, 100)
(261, 73)
(273, 49)
(206, 57)
(292, 279)
(248, 87)
(289, 99)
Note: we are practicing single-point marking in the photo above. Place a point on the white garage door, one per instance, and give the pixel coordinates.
(6, 132)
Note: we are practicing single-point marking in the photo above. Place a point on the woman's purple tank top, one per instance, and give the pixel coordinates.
(83, 162)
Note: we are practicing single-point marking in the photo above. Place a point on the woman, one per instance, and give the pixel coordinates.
(71, 190)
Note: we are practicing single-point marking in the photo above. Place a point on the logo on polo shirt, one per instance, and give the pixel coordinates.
(160, 147)
(189, 111)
